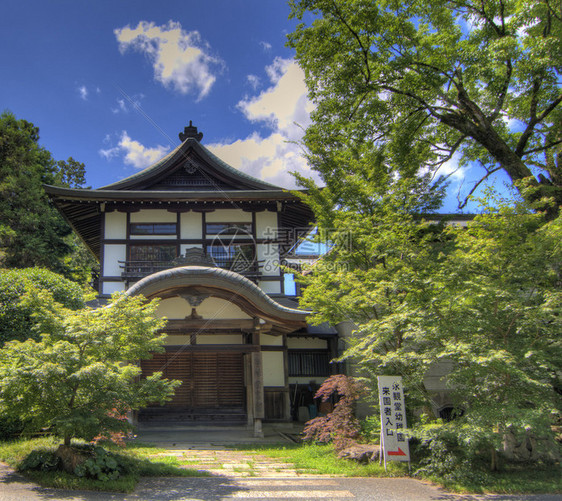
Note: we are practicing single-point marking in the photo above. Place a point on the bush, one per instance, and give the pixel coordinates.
(340, 426)
(41, 460)
(103, 465)
(371, 428)
(10, 428)
(451, 451)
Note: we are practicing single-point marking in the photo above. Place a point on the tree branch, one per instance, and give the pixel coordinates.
(462, 204)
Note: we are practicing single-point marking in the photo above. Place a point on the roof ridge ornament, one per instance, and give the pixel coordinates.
(190, 131)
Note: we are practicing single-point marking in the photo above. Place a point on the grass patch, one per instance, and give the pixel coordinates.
(321, 459)
(138, 456)
(513, 479)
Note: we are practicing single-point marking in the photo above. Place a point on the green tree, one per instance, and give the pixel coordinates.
(32, 232)
(83, 374)
(486, 298)
(18, 319)
(431, 79)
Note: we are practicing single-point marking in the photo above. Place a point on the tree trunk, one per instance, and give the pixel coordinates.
(494, 460)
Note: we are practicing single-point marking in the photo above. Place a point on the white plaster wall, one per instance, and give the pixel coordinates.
(273, 368)
(211, 308)
(307, 343)
(175, 308)
(266, 224)
(153, 216)
(111, 287)
(268, 340)
(228, 216)
(270, 287)
(216, 308)
(112, 254)
(190, 225)
(177, 340)
(115, 225)
(219, 339)
(268, 257)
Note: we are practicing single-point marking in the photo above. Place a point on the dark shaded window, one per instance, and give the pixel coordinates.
(152, 252)
(235, 257)
(309, 363)
(448, 413)
(228, 228)
(153, 228)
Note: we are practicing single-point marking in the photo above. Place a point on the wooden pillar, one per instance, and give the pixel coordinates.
(287, 415)
(257, 385)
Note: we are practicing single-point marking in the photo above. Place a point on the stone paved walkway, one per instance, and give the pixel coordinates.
(234, 463)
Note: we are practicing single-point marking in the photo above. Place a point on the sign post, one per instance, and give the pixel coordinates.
(393, 419)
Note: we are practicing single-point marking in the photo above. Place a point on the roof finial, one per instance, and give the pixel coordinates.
(190, 131)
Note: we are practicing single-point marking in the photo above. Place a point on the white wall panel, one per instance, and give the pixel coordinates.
(112, 254)
(228, 216)
(273, 368)
(115, 225)
(111, 287)
(266, 224)
(153, 216)
(190, 224)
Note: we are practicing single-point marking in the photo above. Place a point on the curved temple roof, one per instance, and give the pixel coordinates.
(221, 283)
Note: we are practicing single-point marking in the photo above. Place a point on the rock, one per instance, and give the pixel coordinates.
(528, 447)
(363, 453)
(70, 457)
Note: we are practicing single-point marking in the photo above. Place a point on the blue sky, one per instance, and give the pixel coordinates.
(113, 83)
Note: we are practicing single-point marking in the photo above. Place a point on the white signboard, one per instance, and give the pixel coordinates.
(393, 419)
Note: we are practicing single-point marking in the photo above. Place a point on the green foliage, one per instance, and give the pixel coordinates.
(41, 460)
(10, 428)
(431, 79)
(485, 298)
(134, 462)
(103, 465)
(32, 232)
(17, 317)
(83, 374)
(371, 429)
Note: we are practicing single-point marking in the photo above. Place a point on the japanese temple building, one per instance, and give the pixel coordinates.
(208, 241)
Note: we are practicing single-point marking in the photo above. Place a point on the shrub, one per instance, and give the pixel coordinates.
(10, 428)
(340, 426)
(41, 460)
(103, 465)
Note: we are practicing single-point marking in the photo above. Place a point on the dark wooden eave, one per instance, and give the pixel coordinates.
(83, 208)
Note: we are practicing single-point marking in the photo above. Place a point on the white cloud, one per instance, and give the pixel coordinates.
(180, 59)
(124, 105)
(83, 92)
(254, 81)
(266, 46)
(283, 107)
(120, 107)
(134, 153)
(452, 170)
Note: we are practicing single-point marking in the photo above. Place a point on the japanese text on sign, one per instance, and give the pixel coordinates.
(393, 418)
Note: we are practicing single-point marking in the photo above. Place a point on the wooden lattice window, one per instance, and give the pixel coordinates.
(307, 363)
